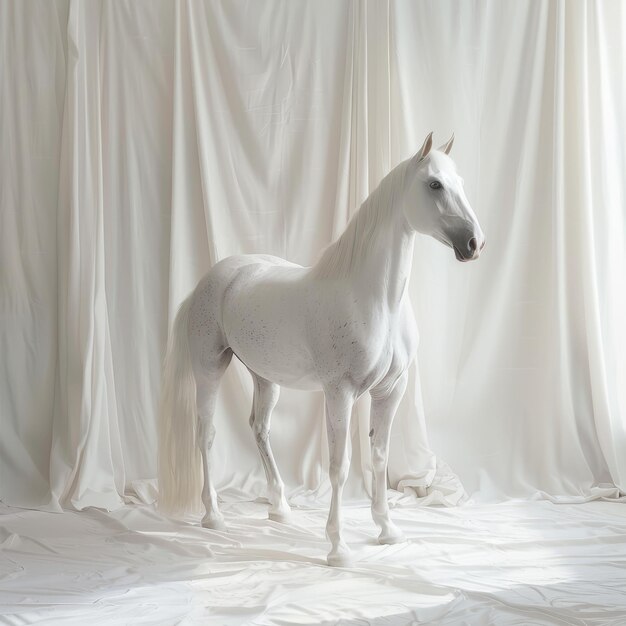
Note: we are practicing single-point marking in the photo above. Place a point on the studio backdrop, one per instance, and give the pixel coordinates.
(142, 141)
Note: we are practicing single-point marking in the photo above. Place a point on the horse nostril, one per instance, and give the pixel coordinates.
(473, 244)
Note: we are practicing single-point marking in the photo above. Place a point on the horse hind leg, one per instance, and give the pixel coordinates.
(265, 398)
(207, 385)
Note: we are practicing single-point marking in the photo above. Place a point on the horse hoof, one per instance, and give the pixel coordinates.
(339, 560)
(391, 539)
(283, 517)
(215, 523)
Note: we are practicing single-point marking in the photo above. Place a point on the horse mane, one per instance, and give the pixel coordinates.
(341, 257)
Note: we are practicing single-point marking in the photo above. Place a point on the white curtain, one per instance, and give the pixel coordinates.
(144, 140)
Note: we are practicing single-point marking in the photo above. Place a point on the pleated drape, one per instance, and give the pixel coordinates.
(143, 141)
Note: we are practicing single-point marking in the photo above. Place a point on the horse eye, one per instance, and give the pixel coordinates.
(436, 185)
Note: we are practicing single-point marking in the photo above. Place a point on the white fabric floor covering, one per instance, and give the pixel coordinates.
(508, 563)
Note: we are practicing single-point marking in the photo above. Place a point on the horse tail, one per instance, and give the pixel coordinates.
(179, 461)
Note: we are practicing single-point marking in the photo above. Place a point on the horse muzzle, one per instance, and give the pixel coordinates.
(468, 252)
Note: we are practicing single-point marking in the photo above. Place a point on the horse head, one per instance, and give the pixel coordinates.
(436, 204)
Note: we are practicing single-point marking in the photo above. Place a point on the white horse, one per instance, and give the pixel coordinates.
(344, 325)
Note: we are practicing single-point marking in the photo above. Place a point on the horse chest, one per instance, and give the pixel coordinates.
(393, 359)
(365, 348)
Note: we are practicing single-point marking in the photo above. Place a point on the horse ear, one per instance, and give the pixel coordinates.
(447, 146)
(422, 153)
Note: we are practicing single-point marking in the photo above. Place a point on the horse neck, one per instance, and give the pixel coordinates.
(385, 270)
(375, 251)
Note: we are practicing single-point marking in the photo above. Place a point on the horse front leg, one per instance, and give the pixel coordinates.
(338, 411)
(383, 409)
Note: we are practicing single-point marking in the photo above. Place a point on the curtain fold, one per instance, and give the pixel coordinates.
(86, 461)
(143, 141)
(597, 229)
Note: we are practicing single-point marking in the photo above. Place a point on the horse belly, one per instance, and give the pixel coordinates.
(264, 327)
(275, 358)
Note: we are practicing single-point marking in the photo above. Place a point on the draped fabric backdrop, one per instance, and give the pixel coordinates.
(142, 141)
